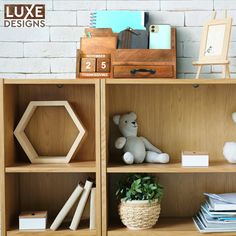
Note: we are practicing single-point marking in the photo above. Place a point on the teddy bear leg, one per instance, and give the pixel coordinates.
(128, 158)
(153, 157)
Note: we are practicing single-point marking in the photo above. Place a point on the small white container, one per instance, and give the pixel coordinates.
(33, 220)
(195, 159)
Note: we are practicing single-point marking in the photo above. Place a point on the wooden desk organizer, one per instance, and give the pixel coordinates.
(145, 63)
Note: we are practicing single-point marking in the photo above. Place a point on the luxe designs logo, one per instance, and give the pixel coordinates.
(24, 15)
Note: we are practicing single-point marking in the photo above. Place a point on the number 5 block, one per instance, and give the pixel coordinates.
(88, 64)
(103, 65)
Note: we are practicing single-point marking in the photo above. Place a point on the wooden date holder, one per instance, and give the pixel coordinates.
(93, 65)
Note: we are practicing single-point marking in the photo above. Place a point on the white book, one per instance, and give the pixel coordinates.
(203, 229)
(224, 197)
(218, 214)
(221, 206)
(92, 221)
(195, 159)
(80, 208)
(33, 220)
(211, 222)
(66, 208)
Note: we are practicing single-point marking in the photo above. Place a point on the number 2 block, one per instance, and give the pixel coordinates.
(103, 65)
(88, 64)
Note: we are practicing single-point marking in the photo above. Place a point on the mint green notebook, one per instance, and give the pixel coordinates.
(118, 20)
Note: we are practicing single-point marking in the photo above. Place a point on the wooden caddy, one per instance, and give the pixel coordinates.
(25, 185)
(93, 55)
(145, 63)
(219, 59)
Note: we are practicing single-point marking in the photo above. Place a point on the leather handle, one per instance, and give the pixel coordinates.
(134, 71)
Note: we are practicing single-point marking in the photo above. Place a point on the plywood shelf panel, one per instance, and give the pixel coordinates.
(49, 81)
(83, 230)
(164, 227)
(171, 81)
(74, 167)
(65, 232)
(120, 81)
(215, 167)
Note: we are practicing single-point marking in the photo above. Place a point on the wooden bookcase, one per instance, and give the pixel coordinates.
(26, 186)
(175, 115)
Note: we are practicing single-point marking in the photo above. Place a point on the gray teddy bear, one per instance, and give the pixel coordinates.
(136, 149)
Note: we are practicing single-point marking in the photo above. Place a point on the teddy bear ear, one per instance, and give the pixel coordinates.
(133, 115)
(234, 117)
(116, 119)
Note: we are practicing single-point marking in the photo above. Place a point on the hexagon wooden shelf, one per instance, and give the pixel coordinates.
(28, 147)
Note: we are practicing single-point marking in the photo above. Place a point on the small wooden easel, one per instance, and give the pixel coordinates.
(215, 44)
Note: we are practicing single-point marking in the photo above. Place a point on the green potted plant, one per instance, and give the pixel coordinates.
(140, 197)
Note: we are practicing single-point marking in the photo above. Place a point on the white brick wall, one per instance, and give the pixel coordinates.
(133, 5)
(187, 5)
(9, 49)
(50, 52)
(49, 49)
(61, 18)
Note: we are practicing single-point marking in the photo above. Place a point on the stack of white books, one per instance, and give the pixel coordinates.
(82, 193)
(217, 214)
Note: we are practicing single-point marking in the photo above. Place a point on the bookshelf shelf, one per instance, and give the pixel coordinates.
(65, 232)
(173, 114)
(169, 81)
(164, 227)
(215, 167)
(176, 116)
(46, 187)
(76, 167)
(51, 82)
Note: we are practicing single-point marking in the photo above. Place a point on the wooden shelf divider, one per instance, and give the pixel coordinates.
(214, 167)
(169, 81)
(74, 167)
(65, 232)
(164, 227)
(51, 82)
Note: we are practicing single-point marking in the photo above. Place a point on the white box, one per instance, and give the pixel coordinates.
(195, 159)
(33, 220)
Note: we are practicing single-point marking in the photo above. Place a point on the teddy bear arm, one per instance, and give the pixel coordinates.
(120, 142)
(149, 146)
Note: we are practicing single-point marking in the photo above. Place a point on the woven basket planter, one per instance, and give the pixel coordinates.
(138, 215)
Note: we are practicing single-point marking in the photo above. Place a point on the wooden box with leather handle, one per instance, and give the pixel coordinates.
(145, 63)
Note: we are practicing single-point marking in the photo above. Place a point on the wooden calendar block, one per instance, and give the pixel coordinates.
(103, 65)
(88, 64)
